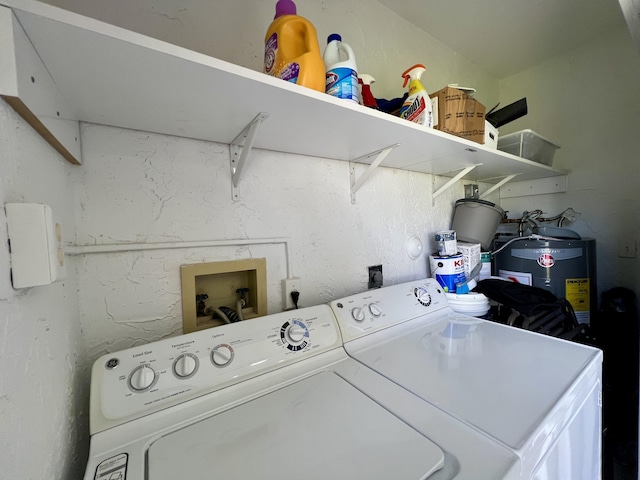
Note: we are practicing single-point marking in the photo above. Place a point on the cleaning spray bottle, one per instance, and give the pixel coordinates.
(342, 70)
(368, 100)
(417, 107)
(291, 50)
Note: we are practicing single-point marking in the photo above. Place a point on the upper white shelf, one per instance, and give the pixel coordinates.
(111, 76)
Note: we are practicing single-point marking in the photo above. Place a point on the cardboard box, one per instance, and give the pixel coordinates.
(455, 112)
(471, 254)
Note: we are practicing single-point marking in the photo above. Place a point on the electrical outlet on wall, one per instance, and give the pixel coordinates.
(627, 247)
(375, 276)
(289, 285)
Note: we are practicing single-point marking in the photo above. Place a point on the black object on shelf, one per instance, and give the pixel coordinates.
(508, 114)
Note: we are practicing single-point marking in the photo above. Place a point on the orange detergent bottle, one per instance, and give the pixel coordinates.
(291, 51)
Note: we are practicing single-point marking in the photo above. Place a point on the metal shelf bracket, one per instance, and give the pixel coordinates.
(453, 180)
(240, 148)
(356, 184)
(495, 187)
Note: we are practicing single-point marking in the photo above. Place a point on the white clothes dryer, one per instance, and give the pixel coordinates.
(538, 396)
(270, 398)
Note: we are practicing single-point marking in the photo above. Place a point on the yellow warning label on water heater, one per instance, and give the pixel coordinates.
(577, 292)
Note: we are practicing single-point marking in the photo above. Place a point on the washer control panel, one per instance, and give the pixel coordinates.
(150, 377)
(374, 310)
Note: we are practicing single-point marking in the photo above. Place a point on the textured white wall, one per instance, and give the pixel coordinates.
(43, 399)
(588, 102)
(141, 187)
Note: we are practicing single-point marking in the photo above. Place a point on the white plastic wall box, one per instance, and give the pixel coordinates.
(35, 240)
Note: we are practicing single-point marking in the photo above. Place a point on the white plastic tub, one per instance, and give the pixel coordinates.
(472, 304)
(528, 144)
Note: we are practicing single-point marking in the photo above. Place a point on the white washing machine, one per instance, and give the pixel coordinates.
(275, 397)
(538, 396)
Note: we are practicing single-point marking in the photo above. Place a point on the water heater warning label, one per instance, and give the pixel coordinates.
(577, 291)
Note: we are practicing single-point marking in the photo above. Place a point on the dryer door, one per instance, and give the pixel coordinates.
(502, 380)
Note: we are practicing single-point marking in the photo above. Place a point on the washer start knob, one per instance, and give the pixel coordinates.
(295, 333)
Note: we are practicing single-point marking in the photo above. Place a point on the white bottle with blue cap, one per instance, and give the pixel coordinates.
(342, 70)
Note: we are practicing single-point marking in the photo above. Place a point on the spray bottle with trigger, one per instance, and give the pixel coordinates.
(417, 107)
(368, 100)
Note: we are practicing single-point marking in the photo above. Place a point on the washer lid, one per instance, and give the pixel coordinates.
(319, 428)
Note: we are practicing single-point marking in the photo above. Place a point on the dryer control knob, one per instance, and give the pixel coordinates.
(185, 365)
(423, 296)
(357, 314)
(142, 378)
(222, 355)
(375, 309)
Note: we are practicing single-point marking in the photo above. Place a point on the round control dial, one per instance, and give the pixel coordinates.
(142, 378)
(185, 365)
(358, 314)
(375, 309)
(222, 355)
(294, 335)
(423, 296)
